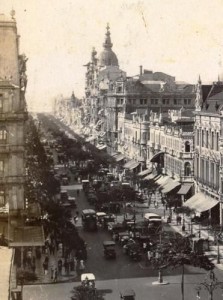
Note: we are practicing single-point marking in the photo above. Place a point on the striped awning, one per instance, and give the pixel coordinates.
(144, 172)
(119, 157)
(128, 164)
(150, 176)
(101, 147)
(201, 202)
(162, 180)
(185, 187)
(134, 165)
(170, 185)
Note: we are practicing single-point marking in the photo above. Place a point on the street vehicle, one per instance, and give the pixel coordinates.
(107, 219)
(100, 216)
(88, 279)
(63, 196)
(127, 295)
(89, 220)
(154, 221)
(109, 249)
(72, 202)
(85, 184)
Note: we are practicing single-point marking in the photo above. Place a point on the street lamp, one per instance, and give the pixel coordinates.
(218, 251)
(210, 284)
(160, 280)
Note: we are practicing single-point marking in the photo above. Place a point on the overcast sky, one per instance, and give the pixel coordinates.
(183, 38)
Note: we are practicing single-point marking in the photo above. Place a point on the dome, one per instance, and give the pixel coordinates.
(108, 57)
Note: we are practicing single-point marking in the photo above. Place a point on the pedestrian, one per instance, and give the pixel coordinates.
(78, 192)
(45, 268)
(149, 255)
(55, 275)
(60, 265)
(81, 266)
(51, 273)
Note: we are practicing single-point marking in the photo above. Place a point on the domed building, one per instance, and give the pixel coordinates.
(107, 56)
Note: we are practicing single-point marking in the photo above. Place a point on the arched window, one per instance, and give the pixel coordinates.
(187, 169)
(187, 146)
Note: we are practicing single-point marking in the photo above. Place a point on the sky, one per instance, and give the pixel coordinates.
(183, 38)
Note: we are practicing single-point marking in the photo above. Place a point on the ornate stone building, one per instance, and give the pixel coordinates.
(13, 115)
(208, 157)
(171, 150)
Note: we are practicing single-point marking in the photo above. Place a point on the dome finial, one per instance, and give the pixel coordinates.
(107, 44)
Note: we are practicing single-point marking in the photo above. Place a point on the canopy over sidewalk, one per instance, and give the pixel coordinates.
(201, 202)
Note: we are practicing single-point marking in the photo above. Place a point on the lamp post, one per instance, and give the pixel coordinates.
(218, 251)
(210, 284)
(160, 280)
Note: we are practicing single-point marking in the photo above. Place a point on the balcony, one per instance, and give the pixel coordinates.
(6, 148)
(13, 179)
(14, 116)
(186, 155)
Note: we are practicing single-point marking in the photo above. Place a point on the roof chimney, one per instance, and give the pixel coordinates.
(140, 70)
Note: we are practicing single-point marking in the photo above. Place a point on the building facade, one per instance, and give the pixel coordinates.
(208, 141)
(171, 137)
(13, 115)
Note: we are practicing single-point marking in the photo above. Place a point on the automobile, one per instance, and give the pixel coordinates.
(89, 220)
(127, 295)
(100, 216)
(109, 249)
(63, 195)
(88, 279)
(72, 201)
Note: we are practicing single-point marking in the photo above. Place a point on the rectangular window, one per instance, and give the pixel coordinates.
(2, 197)
(175, 101)
(3, 134)
(212, 140)
(141, 101)
(1, 102)
(1, 167)
(156, 101)
(217, 141)
(187, 101)
(145, 101)
(207, 139)
(198, 137)
(202, 138)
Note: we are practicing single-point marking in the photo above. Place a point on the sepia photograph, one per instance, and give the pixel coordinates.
(111, 150)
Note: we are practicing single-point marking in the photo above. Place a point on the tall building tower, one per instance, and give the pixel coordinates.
(13, 115)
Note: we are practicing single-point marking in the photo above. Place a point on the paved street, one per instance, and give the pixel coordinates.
(111, 289)
(113, 276)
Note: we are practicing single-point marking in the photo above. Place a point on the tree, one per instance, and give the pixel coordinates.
(179, 253)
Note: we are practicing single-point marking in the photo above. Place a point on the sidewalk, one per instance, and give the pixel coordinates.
(199, 232)
(48, 278)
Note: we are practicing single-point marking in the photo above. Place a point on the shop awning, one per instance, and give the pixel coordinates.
(156, 157)
(134, 165)
(27, 236)
(144, 172)
(119, 157)
(114, 154)
(162, 180)
(170, 185)
(128, 164)
(150, 176)
(185, 187)
(90, 139)
(101, 147)
(201, 202)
